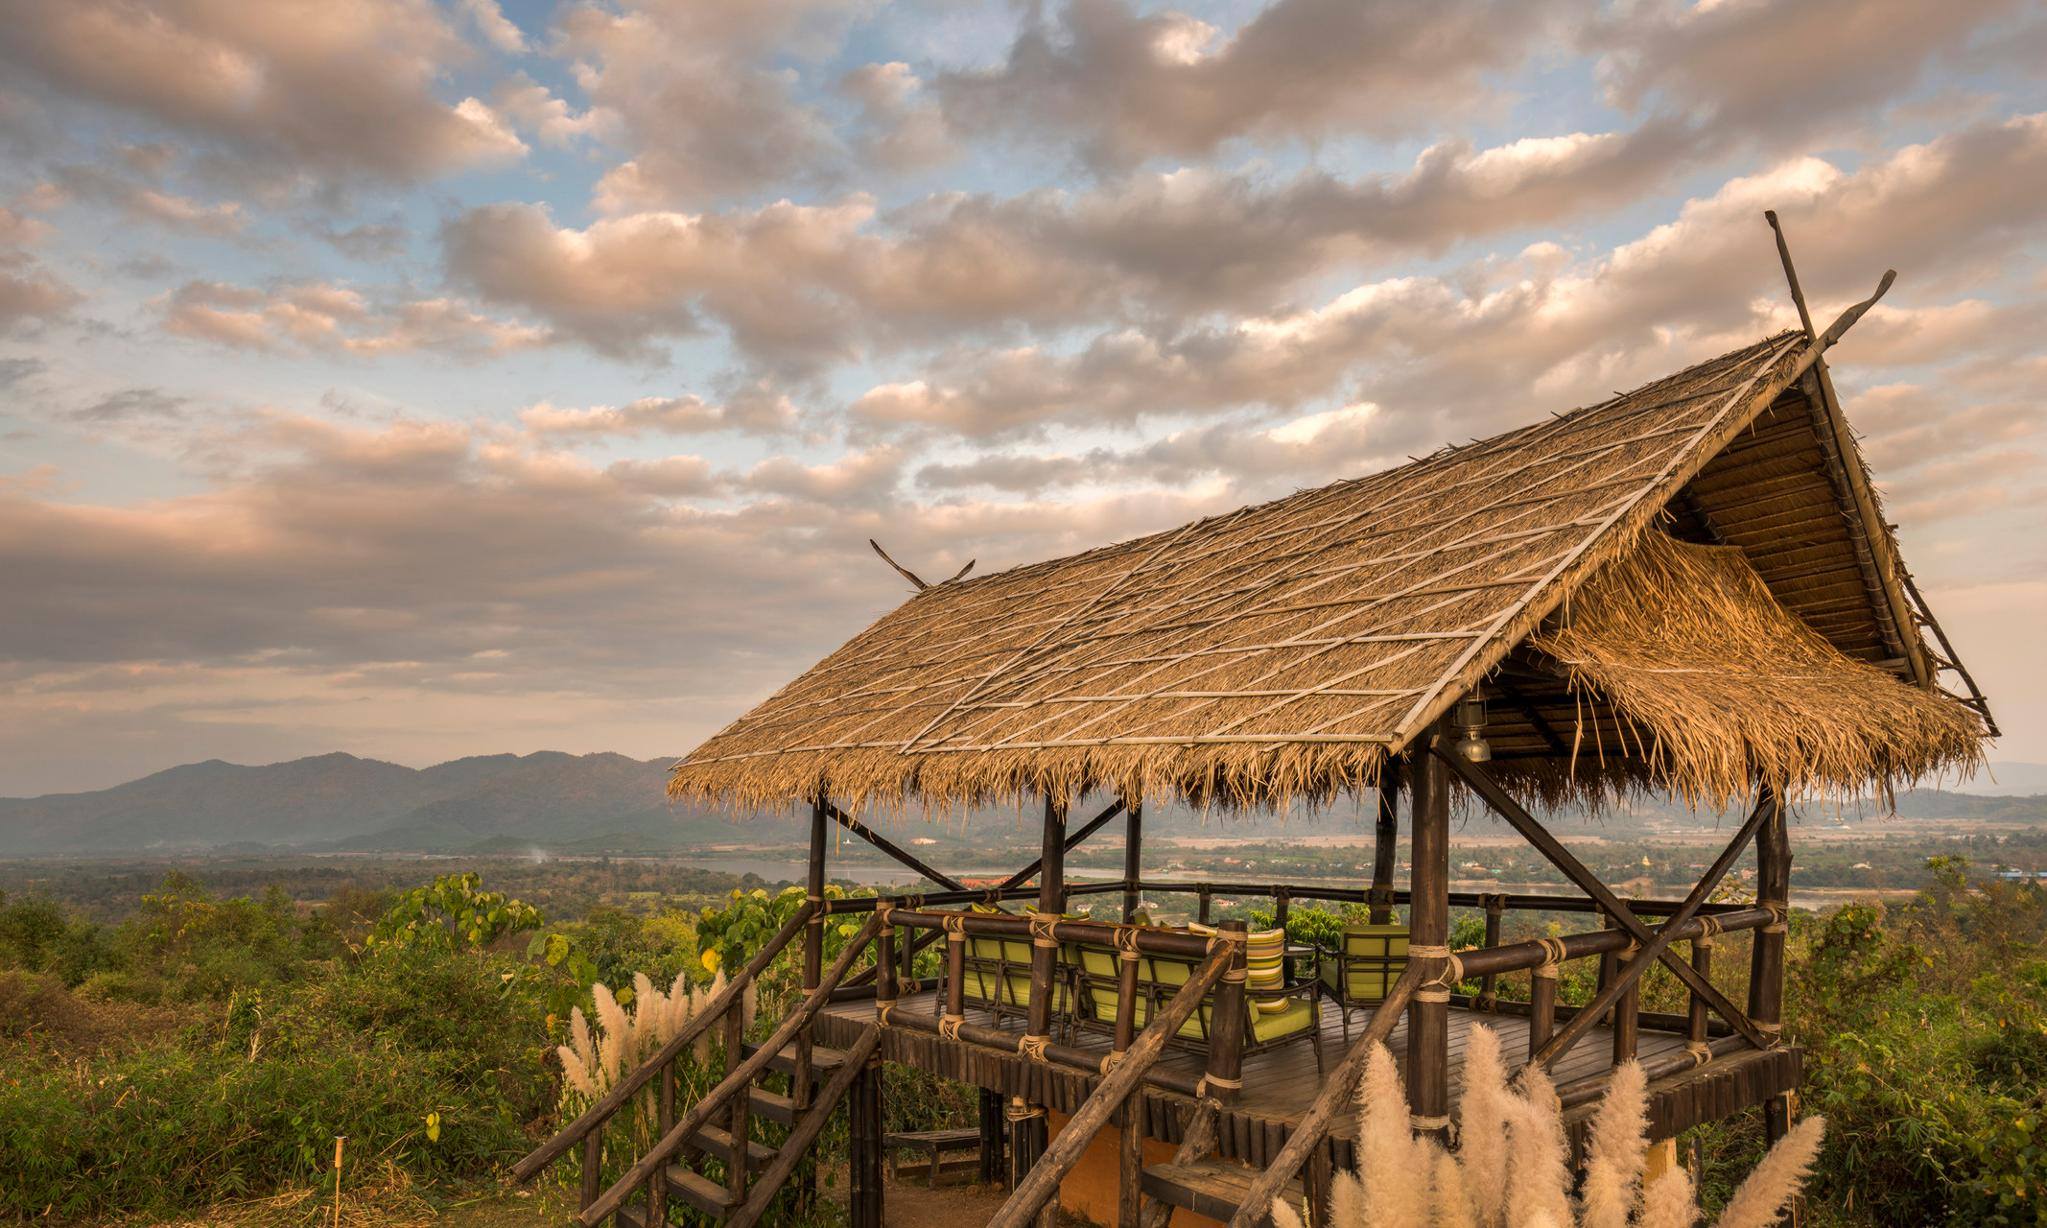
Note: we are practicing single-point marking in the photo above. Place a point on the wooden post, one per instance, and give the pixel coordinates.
(593, 1169)
(1702, 963)
(1542, 1007)
(1029, 1136)
(1281, 902)
(1385, 843)
(1488, 985)
(991, 1137)
(1130, 1163)
(736, 1124)
(1133, 860)
(1766, 967)
(864, 1204)
(800, 1079)
(1609, 962)
(1226, 1022)
(1203, 897)
(1428, 1018)
(1627, 1016)
(813, 942)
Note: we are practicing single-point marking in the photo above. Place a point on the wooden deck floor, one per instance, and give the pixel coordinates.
(1280, 1084)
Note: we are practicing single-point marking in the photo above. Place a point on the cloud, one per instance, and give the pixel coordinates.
(130, 404)
(1127, 87)
(337, 91)
(533, 107)
(793, 285)
(703, 112)
(29, 295)
(139, 197)
(900, 129)
(755, 411)
(1493, 342)
(323, 317)
(1749, 66)
(491, 22)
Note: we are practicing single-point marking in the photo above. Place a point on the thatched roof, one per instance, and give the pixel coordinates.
(1689, 645)
(1284, 650)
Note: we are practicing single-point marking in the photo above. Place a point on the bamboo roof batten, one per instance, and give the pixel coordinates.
(1284, 650)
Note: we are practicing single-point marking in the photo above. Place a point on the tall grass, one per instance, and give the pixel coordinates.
(1513, 1167)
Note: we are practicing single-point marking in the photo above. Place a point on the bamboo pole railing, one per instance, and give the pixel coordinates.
(1123, 1077)
(741, 1077)
(1336, 1093)
(587, 1125)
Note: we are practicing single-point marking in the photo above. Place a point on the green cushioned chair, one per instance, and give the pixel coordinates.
(997, 976)
(1276, 1013)
(1361, 973)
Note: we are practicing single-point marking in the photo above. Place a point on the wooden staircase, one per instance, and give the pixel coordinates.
(707, 1160)
(1215, 1188)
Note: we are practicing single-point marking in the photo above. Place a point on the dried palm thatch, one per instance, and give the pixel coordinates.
(1277, 653)
(1688, 643)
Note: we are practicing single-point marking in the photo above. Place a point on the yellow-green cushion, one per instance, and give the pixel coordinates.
(1377, 956)
(1299, 1016)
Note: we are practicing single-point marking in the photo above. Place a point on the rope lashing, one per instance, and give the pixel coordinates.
(1700, 1051)
(882, 1011)
(1126, 943)
(1111, 1060)
(1033, 1047)
(1208, 1081)
(949, 1026)
(955, 926)
(1041, 930)
(1417, 1122)
(1017, 1110)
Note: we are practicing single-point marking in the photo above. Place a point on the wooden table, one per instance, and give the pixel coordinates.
(938, 1143)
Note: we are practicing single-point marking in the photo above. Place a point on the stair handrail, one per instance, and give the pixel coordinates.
(625, 1089)
(807, 1129)
(740, 1078)
(1336, 1092)
(1124, 1077)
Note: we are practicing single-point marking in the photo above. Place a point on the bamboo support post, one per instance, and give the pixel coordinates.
(737, 1125)
(1488, 985)
(1428, 1017)
(1385, 844)
(1542, 1007)
(1133, 860)
(1227, 1019)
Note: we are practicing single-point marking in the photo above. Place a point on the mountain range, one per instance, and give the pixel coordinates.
(507, 803)
(339, 802)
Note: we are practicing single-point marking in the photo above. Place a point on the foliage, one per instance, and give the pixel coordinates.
(453, 912)
(1925, 1029)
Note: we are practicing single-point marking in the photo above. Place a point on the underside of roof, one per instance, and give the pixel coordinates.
(1282, 652)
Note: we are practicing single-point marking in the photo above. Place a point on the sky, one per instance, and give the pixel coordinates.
(428, 379)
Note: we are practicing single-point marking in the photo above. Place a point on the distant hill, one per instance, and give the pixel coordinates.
(610, 803)
(341, 802)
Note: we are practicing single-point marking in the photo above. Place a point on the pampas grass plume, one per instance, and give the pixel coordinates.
(1775, 1181)
(1614, 1168)
(1483, 1121)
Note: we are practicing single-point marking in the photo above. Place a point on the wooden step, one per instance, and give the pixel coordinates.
(823, 1061)
(772, 1105)
(716, 1142)
(1214, 1188)
(710, 1197)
